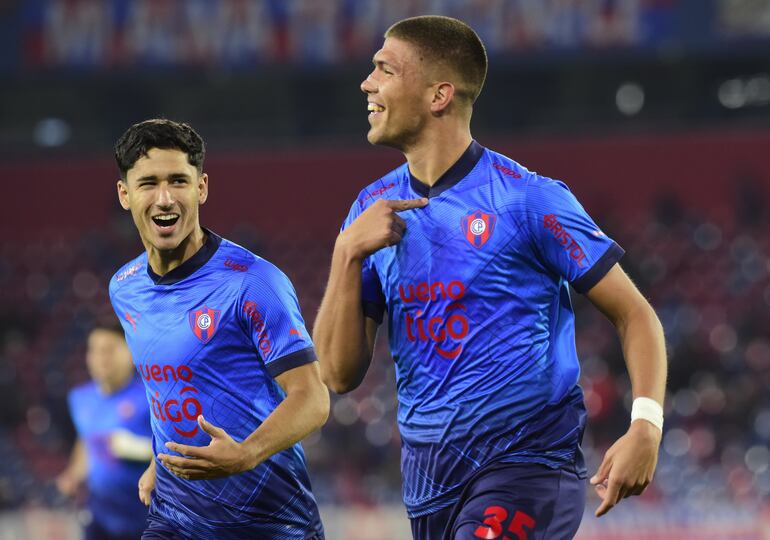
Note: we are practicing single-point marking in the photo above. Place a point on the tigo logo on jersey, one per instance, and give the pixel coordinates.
(447, 328)
(180, 409)
(204, 322)
(478, 227)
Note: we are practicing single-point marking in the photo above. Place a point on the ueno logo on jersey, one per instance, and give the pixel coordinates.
(448, 328)
(204, 322)
(258, 325)
(478, 227)
(181, 409)
(377, 192)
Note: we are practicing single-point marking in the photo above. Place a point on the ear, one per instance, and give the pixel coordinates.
(203, 188)
(123, 194)
(443, 93)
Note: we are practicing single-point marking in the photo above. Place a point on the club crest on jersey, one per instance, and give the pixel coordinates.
(478, 227)
(204, 322)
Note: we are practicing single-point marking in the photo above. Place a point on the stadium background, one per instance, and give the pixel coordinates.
(655, 112)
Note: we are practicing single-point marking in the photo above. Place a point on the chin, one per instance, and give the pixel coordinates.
(166, 244)
(380, 139)
(390, 143)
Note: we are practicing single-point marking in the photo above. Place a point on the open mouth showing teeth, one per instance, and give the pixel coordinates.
(374, 108)
(165, 220)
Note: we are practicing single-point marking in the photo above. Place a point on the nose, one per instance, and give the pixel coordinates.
(367, 85)
(165, 199)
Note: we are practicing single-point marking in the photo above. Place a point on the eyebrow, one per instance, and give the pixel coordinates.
(171, 176)
(378, 62)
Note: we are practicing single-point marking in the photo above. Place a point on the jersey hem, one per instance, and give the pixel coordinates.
(291, 361)
(374, 311)
(586, 282)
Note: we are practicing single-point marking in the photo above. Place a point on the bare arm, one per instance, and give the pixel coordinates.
(629, 465)
(343, 337)
(640, 331)
(304, 410)
(74, 475)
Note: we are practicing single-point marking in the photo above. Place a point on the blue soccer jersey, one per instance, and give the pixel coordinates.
(112, 496)
(480, 320)
(209, 338)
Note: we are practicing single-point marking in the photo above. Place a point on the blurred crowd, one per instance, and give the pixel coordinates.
(708, 276)
(238, 33)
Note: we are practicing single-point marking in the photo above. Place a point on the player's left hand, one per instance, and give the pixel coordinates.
(222, 457)
(628, 465)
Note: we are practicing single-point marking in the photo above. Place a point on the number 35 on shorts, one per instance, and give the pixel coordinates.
(495, 518)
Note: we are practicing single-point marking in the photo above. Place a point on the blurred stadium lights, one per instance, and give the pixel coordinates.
(676, 442)
(240, 70)
(751, 91)
(757, 458)
(51, 132)
(629, 98)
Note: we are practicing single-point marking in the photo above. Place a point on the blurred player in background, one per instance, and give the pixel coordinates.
(217, 335)
(471, 254)
(113, 446)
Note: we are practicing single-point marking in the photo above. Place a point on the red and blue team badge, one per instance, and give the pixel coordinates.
(204, 322)
(478, 227)
(126, 409)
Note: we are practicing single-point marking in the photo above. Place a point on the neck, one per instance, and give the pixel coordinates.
(110, 387)
(164, 261)
(436, 152)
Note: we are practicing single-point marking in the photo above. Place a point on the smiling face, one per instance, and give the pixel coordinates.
(163, 192)
(399, 95)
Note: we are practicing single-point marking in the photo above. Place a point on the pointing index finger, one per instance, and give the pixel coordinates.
(609, 498)
(407, 204)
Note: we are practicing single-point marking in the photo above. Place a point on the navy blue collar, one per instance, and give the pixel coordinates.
(188, 268)
(452, 176)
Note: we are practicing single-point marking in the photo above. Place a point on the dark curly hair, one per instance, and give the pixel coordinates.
(158, 133)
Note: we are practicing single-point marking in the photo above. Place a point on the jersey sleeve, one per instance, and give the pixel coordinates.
(566, 238)
(270, 313)
(73, 402)
(372, 297)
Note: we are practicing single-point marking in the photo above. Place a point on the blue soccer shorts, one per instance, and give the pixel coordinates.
(510, 501)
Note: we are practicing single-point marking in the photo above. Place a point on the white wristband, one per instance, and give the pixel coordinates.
(647, 409)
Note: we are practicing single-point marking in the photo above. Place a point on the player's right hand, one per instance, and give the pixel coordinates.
(377, 227)
(147, 484)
